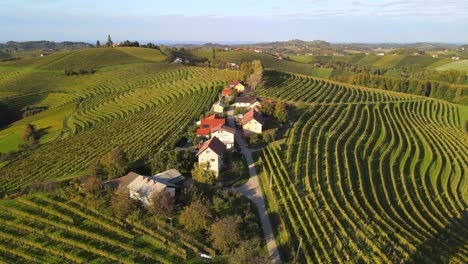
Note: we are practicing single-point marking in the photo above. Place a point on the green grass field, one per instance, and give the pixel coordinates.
(301, 58)
(461, 65)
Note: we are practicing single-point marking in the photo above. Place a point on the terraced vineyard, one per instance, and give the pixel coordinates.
(43, 229)
(368, 176)
(139, 107)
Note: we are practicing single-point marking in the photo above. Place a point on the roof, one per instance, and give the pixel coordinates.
(220, 104)
(208, 123)
(246, 99)
(252, 115)
(234, 83)
(215, 145)
(224, 128)
(226, 92)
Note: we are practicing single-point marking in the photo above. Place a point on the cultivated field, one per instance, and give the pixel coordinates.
(367, 176)
(138, 107)
(44, 229)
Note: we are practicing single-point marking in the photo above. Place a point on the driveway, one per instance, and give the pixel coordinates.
(251, 189)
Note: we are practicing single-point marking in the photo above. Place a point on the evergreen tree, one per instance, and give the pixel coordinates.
(98, 44)
(109, 41)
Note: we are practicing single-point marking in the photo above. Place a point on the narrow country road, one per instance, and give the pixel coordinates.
(251, 189)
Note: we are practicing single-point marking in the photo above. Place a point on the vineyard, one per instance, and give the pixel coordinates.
(367, 176)
(44, 229)
(139, 107)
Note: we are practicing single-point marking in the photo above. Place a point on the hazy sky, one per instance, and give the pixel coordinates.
(241, 20)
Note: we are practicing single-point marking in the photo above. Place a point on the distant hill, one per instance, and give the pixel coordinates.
(42, 45)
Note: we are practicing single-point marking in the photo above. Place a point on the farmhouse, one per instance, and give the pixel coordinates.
(226, 92)
(212, 151)
(207, 124)
(145, 188)
(246, 101)
(218, 107)
(225, 134)
(239, 86)
(252, 122)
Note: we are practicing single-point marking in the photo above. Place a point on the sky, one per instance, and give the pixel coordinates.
(236, 21)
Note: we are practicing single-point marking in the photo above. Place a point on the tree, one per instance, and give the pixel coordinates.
(257, 74)
(98, 44)
(165, 160)
(114, 163)
(201, 173)
(122, 205)
(29, 137)
(162, 204)
(109, 42)
(237, 168)
(280, 113)
(249, 252)
(225, 233)
(254, 139)
(197, 216)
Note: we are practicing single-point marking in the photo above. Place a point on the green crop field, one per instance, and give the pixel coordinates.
(44, 229)
(140, 107)
(269, 61)
(301, 58)
(362, 176)
(367, 176)
(461, 65)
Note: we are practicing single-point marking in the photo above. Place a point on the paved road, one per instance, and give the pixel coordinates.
(251, 189)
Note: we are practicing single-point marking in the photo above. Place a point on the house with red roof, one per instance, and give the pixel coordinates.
(212, 152)
(252, 122)
(226, 92)
(207, 124)
(225, 134)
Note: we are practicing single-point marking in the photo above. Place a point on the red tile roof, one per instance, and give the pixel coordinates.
(232, 84)
(226, 92)
(250, 115)
(215, 145)
(207, 124)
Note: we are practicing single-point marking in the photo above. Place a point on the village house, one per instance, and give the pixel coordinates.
(239, 86)
(207, 124)
(225, 134)
(226, 92)
(247, 102)
(232, 66)
(145, 188)
(212, 151)
(252, 122)
(218, 107)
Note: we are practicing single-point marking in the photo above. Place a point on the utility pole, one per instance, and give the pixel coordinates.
(297, 253)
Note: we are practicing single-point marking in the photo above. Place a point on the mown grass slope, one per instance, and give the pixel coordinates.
(461, 65)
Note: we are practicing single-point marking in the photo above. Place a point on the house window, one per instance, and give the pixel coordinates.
(212, 160)
(207, 152)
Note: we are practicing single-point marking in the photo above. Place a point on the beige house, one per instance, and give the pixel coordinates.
(218, 107)
(212, 151)
(252, 122)
(240, 87)
(225, 134)
(145, 188)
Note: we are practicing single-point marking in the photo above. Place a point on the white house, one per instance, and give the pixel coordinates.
(380, 54)
(225, 134)
(145, 188)
(247, 102)
(218, 107)
(252, 122)
(212, 151)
